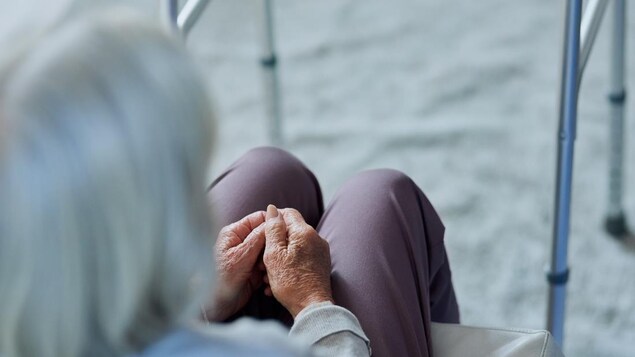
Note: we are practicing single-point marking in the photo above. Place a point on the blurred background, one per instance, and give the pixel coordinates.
(461, 95)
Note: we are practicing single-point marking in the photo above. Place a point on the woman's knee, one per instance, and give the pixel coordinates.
(272, 156)
(376, 193)
(274, 164)
(383, 192)
(382, 182)
(263, 176)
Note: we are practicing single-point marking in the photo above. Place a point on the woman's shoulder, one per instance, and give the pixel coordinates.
(245, 337)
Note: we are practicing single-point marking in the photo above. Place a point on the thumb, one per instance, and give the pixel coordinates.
(275, 228)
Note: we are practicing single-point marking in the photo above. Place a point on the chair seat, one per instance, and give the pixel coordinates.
(453, 340)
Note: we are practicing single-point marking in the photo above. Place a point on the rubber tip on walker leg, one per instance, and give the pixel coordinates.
(616, 226)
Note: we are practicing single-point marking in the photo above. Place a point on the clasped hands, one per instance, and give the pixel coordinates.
(295, 266)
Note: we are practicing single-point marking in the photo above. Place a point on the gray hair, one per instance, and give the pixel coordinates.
(105, 239)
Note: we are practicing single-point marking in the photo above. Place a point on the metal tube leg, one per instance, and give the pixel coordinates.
(591, 21)
(169, 11)
(269, 64)
(559, 272)
(615, 219)
(189, 15)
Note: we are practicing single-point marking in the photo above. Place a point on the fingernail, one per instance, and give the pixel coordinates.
(272, 212)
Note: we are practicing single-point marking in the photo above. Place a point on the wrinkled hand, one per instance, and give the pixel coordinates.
(237, 250)
(297, 260)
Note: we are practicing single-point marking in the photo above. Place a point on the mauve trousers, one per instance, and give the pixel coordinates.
(390, 267)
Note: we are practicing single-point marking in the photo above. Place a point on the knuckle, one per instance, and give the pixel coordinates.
(227, 229)
(304, 231)
(307, 230)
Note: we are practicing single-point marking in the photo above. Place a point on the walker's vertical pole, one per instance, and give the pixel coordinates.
(181, 21)
(189, 15)
(269, 64)
(169, 11)
(559, 272)
(589, 26)
(615, 219)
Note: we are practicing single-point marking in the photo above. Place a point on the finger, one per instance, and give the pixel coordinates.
(255, 219)
(275, 229)
(298, 229)
(256, 239)
(235, 233)
(248, 223)
(253, 245)
(293, 218)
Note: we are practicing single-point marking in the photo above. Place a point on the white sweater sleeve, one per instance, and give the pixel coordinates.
(331, 330)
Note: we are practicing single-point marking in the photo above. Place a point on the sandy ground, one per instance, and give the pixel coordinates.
(462, 96)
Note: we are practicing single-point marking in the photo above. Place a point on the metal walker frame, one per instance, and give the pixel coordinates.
(182, 22)
(579, 37)
(580, 33)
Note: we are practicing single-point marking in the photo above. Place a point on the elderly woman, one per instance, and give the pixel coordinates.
(105, 235)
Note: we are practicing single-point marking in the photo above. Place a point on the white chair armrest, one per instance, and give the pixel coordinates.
(452, 340)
